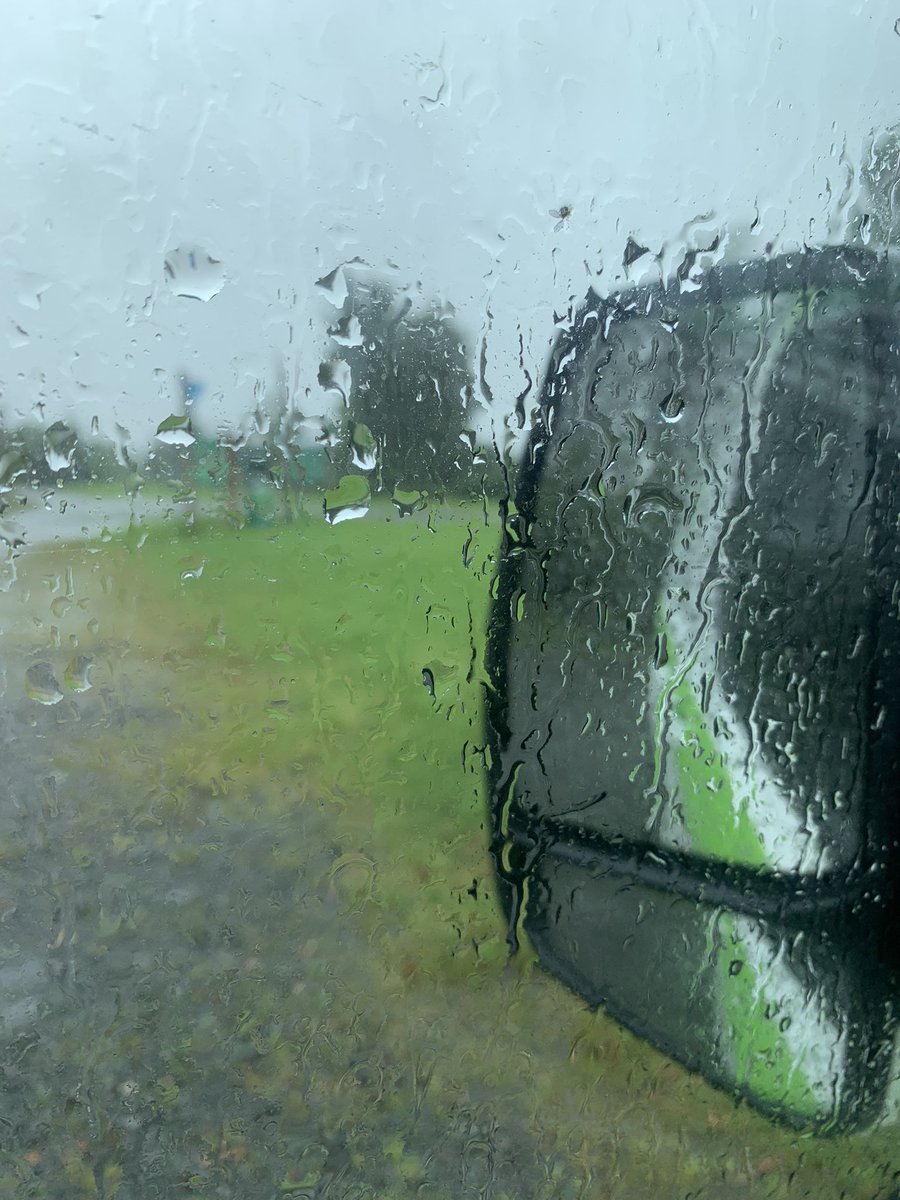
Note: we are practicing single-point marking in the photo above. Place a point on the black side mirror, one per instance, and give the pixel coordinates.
(695, 651)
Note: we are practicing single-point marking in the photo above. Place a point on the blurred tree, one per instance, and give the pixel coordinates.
(408, 398)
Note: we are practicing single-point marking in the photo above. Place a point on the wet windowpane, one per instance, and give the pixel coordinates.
(449, 626)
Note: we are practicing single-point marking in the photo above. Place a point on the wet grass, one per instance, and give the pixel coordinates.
(266, 836)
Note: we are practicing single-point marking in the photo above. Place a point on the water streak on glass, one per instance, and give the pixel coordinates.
(448, 601)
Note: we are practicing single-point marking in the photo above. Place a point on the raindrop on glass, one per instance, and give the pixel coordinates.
(672, 407)
(176, 431)
(59, 446)
(334, 286)
(193, 571)
(348, 501)
(77, 677)
(364, 447)
(12, 467)
(633, 251)
(335, 376)
(41, 684)
(407, 502)
(193, 273)
(347, 332)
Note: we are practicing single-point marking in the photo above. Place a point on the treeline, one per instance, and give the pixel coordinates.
(404, 373)
(32, 454)
(398, 386)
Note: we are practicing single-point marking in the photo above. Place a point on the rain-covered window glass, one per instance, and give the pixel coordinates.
(449, 601)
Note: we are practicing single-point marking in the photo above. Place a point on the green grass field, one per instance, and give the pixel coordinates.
(259, 743)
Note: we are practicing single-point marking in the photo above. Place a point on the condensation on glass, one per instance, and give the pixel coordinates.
(448, 601)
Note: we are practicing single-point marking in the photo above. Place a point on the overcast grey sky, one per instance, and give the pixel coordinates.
(433, 139)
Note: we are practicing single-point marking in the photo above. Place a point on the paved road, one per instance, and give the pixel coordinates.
(70, 514)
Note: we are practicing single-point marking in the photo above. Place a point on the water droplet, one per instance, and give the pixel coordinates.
(194, 571)
(262, 421)
(633, 251)
(469, 439)
(407, 502)
(441, 680)
(672, 407)
(334, 376)
(650, 501)
(41, 684)
(669, 320)
(12, 467)
(432, 78)
(348, 501)
(193, 273)
(60, 606)
(77, 675)
(347, 332)
(735, 967)
(176, 431)
(661, 652)
(279, 710)
(364, 447)
(353, 875)
(59, 446)
(897, 27)
(334, 286)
